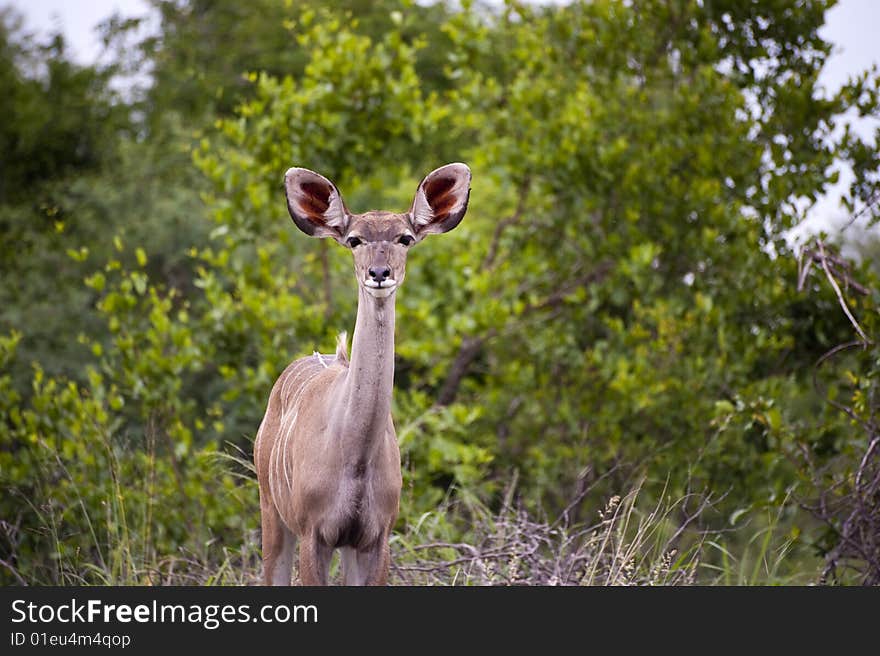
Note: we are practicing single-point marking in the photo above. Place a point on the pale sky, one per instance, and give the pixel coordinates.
(76, 19)
(853, 25)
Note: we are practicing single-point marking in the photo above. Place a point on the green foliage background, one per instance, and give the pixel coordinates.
(619, 308)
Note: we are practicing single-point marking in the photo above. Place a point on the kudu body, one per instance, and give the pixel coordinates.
(326, 453)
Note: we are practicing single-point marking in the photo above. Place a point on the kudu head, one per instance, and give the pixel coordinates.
(379, 241)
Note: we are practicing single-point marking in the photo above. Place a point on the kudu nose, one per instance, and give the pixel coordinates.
(379, 273)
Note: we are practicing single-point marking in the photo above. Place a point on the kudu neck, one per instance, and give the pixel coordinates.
(371, 369)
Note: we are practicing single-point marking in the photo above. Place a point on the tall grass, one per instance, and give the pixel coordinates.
(632, 540)
(764, 551)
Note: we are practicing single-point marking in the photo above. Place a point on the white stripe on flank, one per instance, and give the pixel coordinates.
(286, 468)
(297, 380)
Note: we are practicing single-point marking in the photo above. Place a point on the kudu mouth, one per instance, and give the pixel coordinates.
(380, 289)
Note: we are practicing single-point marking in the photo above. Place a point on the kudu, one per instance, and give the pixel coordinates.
(326, 452)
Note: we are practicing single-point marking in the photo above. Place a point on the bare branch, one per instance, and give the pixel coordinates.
(840, 268)
(872, 201)
(804, 265)
(468, 351)
(840, 298)
(14, 572)
(848, 488)
(514, 548)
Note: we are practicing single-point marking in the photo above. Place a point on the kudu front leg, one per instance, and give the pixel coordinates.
(314, 560)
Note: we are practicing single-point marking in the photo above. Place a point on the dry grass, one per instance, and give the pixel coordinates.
(625, 546)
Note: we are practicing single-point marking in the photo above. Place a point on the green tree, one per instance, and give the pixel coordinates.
(62, 123)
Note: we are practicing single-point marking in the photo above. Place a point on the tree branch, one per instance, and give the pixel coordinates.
(14, 572)
(840, 298)
(468, 351)
(472, 345)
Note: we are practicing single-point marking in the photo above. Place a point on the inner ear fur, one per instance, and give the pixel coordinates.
(441, 199)
(315, 204)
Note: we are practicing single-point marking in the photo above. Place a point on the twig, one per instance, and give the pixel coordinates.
(15, 573)
(468, 351)
(838, 266)
(804, 266)
(840, 298)
(868, 205)
(821, 391)
(863, 465)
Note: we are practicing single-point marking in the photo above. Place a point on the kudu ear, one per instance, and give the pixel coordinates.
(441, 199)
(315, 204)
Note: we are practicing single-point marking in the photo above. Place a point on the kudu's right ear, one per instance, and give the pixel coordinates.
(315, 204)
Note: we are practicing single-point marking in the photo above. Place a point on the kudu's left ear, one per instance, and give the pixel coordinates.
(441, 199)
(315, 204)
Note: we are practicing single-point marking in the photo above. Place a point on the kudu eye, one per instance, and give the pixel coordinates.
(406, 240)
(354, 242)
